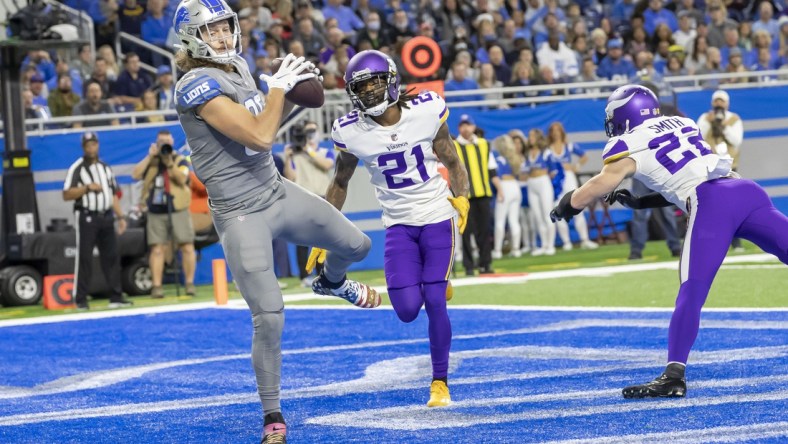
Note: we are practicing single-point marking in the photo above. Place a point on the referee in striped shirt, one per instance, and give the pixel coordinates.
(92, 186)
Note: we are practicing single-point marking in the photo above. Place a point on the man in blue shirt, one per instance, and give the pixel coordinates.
(460, 83)
(655, 15)
(614, 66)
(347, 20)
(131, 82)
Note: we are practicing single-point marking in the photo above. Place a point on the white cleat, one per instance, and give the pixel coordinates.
(537, 252)
(496, 254)
(549, 251)
(589, 245)
(567, 246)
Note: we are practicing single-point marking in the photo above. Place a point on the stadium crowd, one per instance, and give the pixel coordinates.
(485, 43)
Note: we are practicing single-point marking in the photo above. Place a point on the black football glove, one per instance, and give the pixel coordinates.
(622, 196)
(565, 210)
(625, 198)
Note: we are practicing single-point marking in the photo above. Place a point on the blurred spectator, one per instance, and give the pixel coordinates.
(558, 57)
(167, 195)
(62, 99)
(400, 26)
(598, 45)
(588, 74)
(41, 61)
(310, 37)
(664, 216)
(84, 62)
(686, 32)
(99, 76)
(465, 57)
(305, 10)
(764, 63)
(164, 88)
(131, 82)
(502, 71)
(745, 36)
(508, 35)
(347, 20)
(454, 13)
(296, 48)
(718, 22)
(460, 82)
(761, 40)
(334, 59)
(662, 33)
(622, 11)
(276, 31)
(130, 17)
(580, 48)
(731, 36)
(638, 43)
(93, 105)
(697, 55)
(735, 65)
(537, 161)
(374, 32)
(263, 13)
(551, 25)
(546, 77)
(155, 28)
(32, 110)
(150, 102)
(712, 66)
(253, 37)
(63, 69)
(615, 66)
(38, 90)
(656, 14)
(487, 80)
(262, 65)
(676, 68)
(696, 16)
(113, 70)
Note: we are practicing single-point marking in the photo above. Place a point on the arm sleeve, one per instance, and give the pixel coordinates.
(197, 91)
(336, 137)
(734, 134)
(653, 200)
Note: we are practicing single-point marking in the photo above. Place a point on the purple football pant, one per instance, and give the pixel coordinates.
(417, 263)
(720, 210)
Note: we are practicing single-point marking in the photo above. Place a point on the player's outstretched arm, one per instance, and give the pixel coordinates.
(625, 197)
(337, 190)
(236, 122)
(447, 154)
(603, 183)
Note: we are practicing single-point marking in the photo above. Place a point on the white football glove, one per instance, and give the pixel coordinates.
(289, 73)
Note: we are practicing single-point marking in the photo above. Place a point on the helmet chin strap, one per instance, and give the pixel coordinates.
(379, 108)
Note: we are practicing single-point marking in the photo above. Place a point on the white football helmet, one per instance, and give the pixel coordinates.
(191, 21)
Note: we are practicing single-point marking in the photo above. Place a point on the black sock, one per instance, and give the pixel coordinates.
(275, 417)
(333, 285)
(444, 379)
(675, 370)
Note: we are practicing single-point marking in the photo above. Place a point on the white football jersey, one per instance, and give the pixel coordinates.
(672, 157)
(400, 160)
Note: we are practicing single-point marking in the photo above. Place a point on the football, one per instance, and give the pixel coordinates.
(308, 93)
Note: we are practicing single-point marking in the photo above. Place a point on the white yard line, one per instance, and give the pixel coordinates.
(461, 282)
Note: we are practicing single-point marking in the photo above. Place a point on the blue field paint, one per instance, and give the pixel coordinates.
(362, 376)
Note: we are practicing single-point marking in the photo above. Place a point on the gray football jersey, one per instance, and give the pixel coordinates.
(238, 180)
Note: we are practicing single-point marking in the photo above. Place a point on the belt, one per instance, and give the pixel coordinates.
(94, 213)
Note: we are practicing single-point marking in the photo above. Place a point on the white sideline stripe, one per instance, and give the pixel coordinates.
(721, 434)
(461, 282)
(419, 417)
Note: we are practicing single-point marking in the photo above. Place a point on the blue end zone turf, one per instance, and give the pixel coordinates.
(363, 376)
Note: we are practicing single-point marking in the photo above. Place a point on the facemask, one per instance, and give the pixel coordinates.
(490, 37)
(373, 26)
(401, 26)
(460, 47)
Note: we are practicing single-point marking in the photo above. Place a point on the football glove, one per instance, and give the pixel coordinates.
(625, 198)
(565, 210)
(316, 256)
(461, 204)
(289, 74)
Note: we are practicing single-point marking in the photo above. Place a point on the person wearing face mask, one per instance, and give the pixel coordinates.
(311, 165)
(377, 35)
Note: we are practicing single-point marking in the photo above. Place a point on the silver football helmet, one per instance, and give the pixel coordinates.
(191, 21)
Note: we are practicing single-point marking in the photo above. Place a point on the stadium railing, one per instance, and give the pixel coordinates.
(169, 56)
(337, 104)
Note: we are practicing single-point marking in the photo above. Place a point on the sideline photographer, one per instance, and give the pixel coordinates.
(721, 128)
(724, 131)
(166, 195)
(312, 166)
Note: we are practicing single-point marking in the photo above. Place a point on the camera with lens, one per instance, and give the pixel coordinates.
(165, 149)
(719, 113)
(297, 138)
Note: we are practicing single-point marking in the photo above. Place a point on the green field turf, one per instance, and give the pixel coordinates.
(742, 285)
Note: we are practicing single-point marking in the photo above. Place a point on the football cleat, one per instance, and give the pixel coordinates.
(449, 291)
(275, 433)
(358, 294)
(439, 394)
(662, 387)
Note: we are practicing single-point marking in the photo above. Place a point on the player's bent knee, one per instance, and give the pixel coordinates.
(408, 315)
(361, 247)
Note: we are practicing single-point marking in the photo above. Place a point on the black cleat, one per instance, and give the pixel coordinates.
(662, 387)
